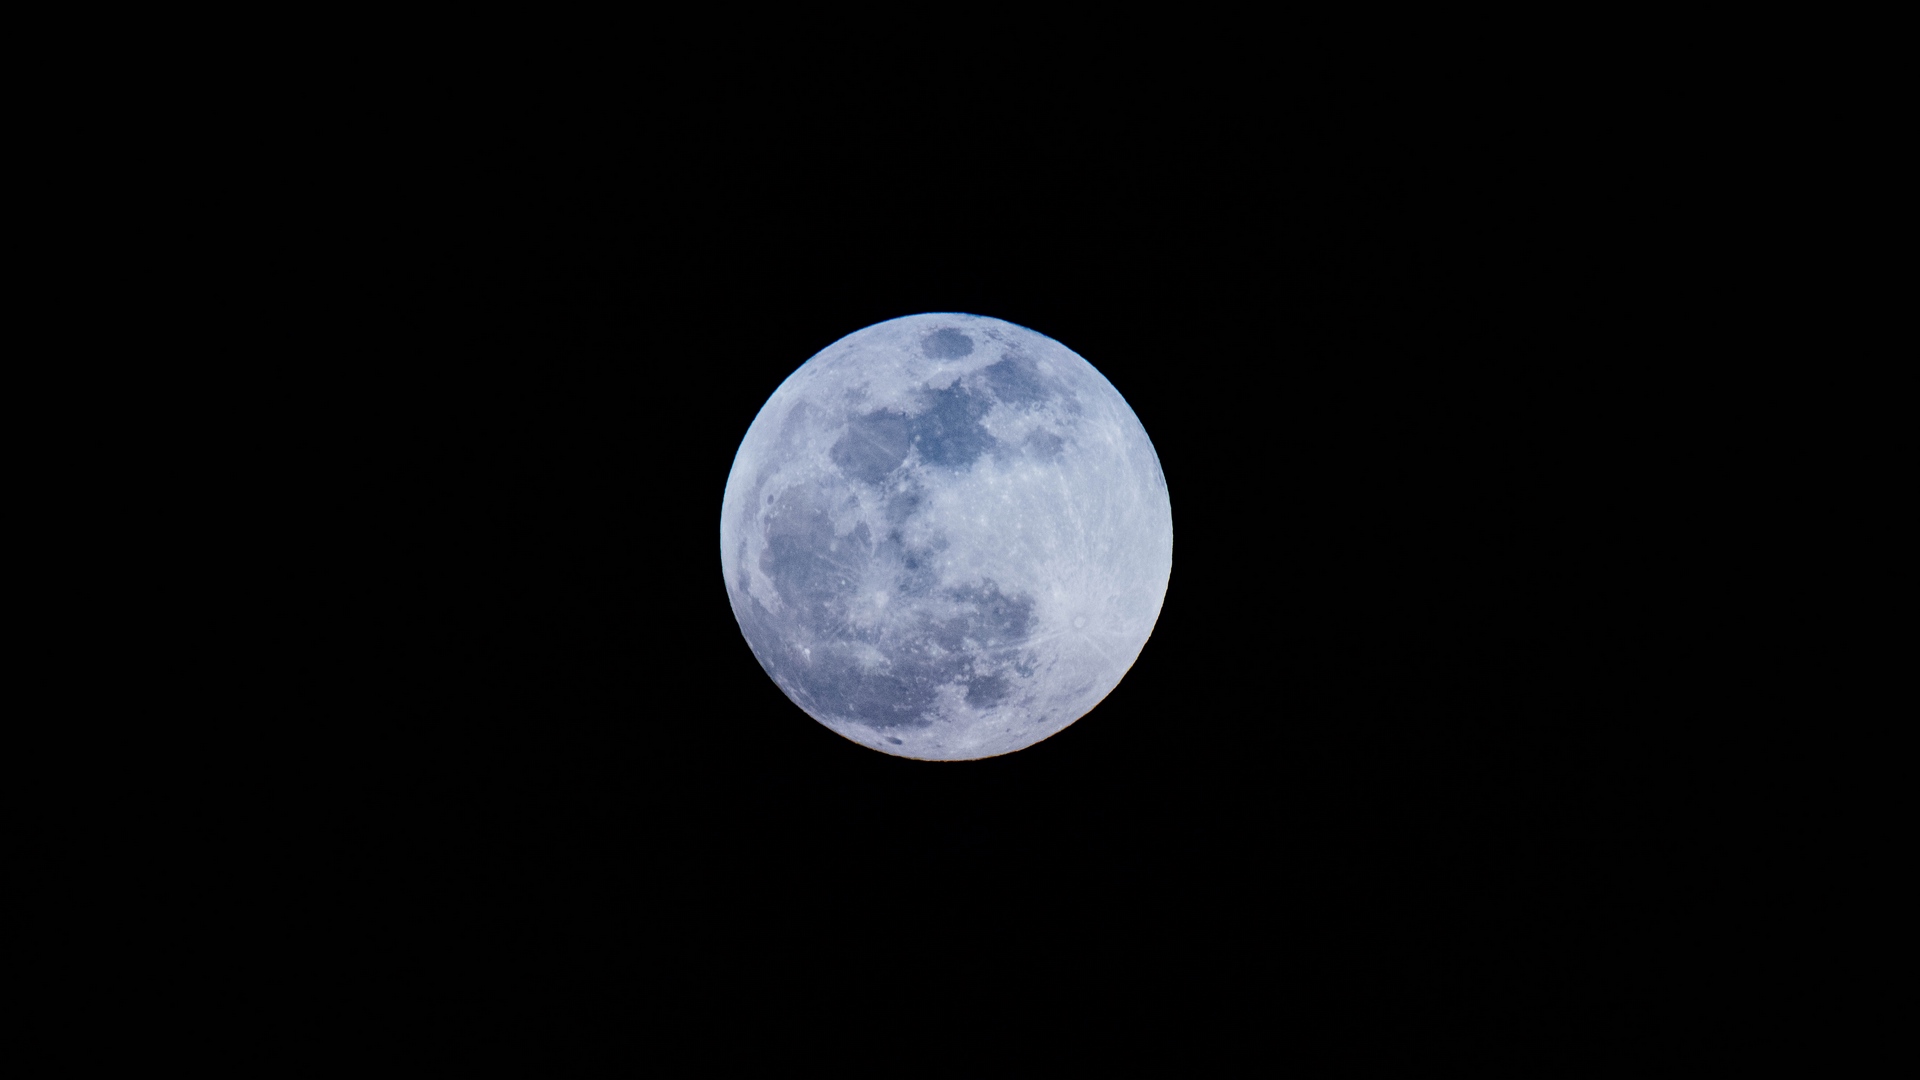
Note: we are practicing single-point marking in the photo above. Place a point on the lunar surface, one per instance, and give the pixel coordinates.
(946, 537)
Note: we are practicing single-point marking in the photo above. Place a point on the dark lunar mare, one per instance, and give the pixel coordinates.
(949, 432)
(874, 446)
(946, 344)
(1044, 444)
(995, 619)
(817, 580)
(901, 505)
(916, 577)
(1017, 380)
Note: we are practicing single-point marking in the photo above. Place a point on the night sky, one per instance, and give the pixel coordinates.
(1395, 745)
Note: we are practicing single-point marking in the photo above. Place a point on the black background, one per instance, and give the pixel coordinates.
(1392, 757)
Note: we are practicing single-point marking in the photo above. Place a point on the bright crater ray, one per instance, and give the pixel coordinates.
(946, 537)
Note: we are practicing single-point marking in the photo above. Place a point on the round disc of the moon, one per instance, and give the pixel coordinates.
(946, 537)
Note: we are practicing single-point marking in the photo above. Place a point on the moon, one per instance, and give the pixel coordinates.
(946, 537)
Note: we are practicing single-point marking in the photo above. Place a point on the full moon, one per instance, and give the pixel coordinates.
(946, 537)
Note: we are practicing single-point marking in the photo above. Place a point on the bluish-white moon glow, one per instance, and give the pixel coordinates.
(946, 537)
